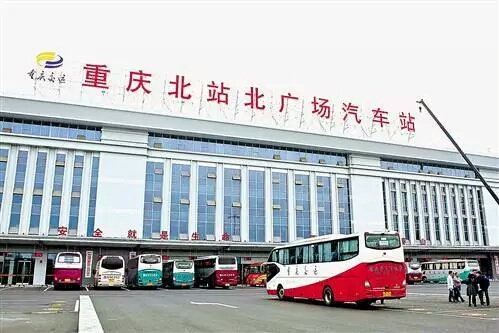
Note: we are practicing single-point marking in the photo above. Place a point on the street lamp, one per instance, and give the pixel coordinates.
(471, 165)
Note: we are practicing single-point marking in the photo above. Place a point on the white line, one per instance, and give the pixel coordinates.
(5, 288)
(88, 321)
(219, 304)
(77, 305)
(86, 288)
(47, 288)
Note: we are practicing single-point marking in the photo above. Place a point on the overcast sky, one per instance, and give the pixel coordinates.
(385, 54)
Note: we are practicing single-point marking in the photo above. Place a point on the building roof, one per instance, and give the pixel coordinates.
(134, 120)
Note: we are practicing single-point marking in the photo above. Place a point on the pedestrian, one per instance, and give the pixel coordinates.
(450, 286)
(471, 289)
(457, 288)
(483, 283)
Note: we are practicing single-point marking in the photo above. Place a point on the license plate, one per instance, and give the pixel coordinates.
(387, 293)
(184, 284)
(149, 283)
(67, 280)
(111, 280)
(227, 284)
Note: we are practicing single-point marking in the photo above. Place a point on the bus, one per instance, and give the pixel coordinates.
(68, 269)
(437, 271)
(178, 273)
(216, 271)
(360, 268)
(109, 272)
(145, 270)
(256, 275)
(414, 273)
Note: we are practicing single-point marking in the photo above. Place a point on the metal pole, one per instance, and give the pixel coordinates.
(471, 165)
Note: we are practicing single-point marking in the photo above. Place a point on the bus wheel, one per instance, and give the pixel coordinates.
(327, 296)
(280, 293)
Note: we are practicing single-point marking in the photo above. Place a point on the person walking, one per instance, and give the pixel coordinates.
(450, 286)
(484, 284)
(457, 288)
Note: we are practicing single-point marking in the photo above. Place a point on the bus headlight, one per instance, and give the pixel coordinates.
(367, 284)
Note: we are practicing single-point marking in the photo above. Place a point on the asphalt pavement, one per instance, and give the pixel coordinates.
(426, 309)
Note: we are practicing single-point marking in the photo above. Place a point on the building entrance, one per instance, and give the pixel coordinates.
(16, 268)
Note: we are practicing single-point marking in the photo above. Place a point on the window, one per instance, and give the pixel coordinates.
(382, 242)
(112, 263)
(69, 258)
(226, 260)
(150, 259)
(183, 264)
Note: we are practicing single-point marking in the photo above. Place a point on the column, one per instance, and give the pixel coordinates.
(85, 195)
(8, 190)
(219, 209)
(193, 199)
(244, 204)
(29, 181)
(291, 206)
(66, 189)
(269, 235)
(47, 193)
(166, 196)
(314, 222)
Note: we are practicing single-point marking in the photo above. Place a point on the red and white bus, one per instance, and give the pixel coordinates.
(215, 271)
(68, 269)
(361, 268)
(414, 273)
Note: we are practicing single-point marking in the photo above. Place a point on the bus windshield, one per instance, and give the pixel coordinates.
(226, 261)
(69, 258)
(255, 270)
(183, 264)
(382, 241)
(473, 264)
(112, 263)
(150, 259)
(414, 266)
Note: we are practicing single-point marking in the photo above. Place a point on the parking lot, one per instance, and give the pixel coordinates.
(237, 310)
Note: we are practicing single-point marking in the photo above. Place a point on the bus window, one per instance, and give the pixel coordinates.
(68, 258)
(315, 253)
(226, 260)
(150, 259)
(348, 248)
(445, 266)
(183, 264)
(274, 256)
(299, 255)
(326, 252)
(112, 263)
(292, 256)
(460, 265)
(382, 242)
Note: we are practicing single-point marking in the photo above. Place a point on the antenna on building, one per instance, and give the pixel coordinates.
(200, 101)
(236, 108)
(471, 165)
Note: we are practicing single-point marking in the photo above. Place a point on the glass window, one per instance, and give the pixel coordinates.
(382, 241)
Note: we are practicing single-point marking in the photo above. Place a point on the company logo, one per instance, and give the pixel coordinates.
(49, 60)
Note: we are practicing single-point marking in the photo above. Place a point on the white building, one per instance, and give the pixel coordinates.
(70, 173)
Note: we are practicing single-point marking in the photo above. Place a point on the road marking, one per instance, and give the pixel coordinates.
(418, 309)
(462, 316)
(88, 321)
(49, 287)
(86, 288)
(5, 288)
(219, 304)
(123, 288)
(77, 305)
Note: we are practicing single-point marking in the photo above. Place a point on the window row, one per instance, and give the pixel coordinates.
(244, 149)
(49, 129)
(330, 251)
(435, 169)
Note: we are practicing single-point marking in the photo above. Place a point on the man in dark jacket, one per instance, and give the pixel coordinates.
(483, 283)
(471, 288)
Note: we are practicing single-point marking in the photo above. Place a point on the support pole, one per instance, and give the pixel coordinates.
(471, 165)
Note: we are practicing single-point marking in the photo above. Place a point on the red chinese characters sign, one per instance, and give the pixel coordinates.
(251, 99)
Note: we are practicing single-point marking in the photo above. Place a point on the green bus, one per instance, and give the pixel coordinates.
(178, 273)
(437, 271)
(144, 270)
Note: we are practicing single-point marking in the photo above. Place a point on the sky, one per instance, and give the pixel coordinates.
(371, 54)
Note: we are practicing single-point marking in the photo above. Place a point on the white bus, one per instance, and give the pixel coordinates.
(178, 273)
(359, 268)
(109, 272)
(68, 269)
(437, 271)
(145, 270)
(213, 271)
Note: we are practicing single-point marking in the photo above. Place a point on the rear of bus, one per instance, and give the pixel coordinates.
(183, 273)
(150, 270)
(385, 269)
(226, 273)
(68, 269)
(110, 272)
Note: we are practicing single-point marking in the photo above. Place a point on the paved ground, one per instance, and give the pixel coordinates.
(33, 310)
(239, 310)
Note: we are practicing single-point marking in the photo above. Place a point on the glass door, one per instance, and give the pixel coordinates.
(24, 270)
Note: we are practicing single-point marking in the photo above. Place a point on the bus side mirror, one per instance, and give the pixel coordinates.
(93, 271)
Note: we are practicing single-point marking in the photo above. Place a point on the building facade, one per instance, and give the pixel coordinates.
(112, 181)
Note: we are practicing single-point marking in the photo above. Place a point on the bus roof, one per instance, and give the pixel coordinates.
(69, 252)
(325, 238)
(447, 260)
(213, 257)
